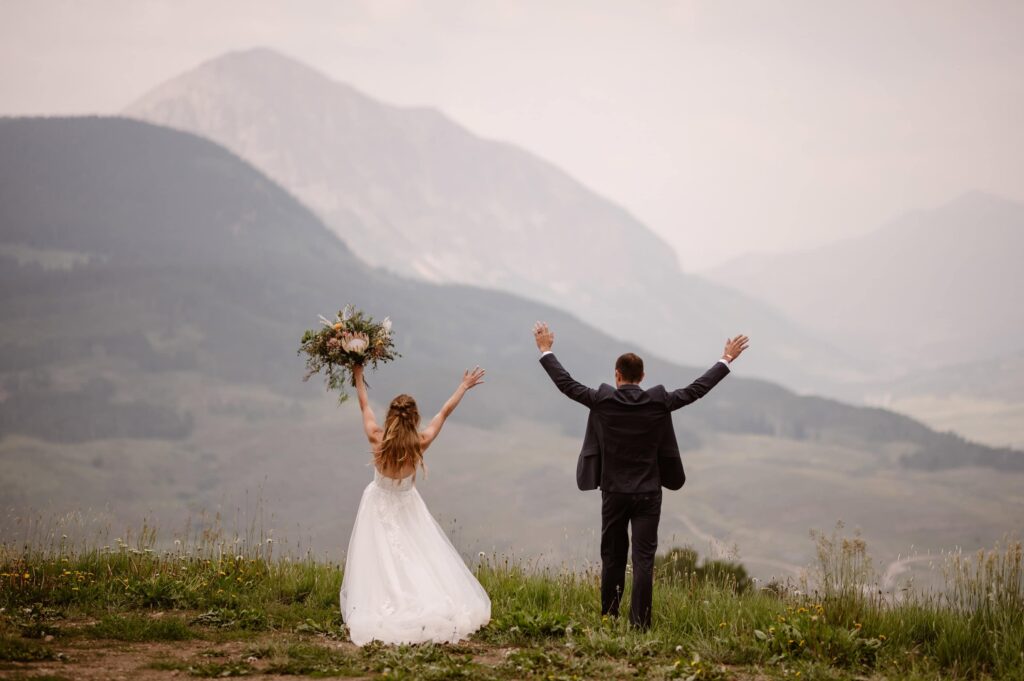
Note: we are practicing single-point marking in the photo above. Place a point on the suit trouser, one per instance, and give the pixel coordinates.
(618, 511)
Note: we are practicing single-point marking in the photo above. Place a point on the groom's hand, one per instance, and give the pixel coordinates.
(544, 336)
(734, 347)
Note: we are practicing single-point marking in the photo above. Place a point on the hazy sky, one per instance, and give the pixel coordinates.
(725, 126)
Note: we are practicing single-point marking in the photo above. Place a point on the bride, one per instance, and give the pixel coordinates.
(404, 582)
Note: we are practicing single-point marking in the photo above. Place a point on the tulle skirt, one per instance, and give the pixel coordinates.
(404, 582)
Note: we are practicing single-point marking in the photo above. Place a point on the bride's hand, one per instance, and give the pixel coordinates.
(472, 378)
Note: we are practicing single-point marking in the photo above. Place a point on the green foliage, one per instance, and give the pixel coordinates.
(331, 627)
(680, 564)
(137, 628)
(304, 659)
(553, 664)
(247, 619)
(428, 662)
(805, 632)
(14, 649)
(532, 625)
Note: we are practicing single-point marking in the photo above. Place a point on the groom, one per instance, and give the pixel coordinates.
(630, 452)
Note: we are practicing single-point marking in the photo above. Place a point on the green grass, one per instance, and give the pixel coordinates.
(16, 649)
(545, 624)
(138, 628)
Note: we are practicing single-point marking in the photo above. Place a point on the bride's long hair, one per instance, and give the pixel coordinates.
(401, 442)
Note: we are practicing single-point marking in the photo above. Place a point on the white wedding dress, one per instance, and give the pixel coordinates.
(404, 582)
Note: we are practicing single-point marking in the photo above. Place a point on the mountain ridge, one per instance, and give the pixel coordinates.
(425, 197)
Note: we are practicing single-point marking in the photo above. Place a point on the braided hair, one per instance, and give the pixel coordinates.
(400, 445)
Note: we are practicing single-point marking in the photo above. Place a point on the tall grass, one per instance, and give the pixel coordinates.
(838, 625)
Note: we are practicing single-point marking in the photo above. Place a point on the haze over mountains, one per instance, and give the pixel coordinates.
(932, 288)
(412, 191)
(933, 298)
(155, 286)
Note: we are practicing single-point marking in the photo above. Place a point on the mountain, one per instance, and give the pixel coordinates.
(153, 290)
(930, 289)
(411, 191)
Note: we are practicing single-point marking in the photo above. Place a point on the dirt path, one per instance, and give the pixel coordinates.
(96, 660)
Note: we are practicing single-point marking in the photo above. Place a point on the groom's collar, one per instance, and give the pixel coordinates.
(628, 386)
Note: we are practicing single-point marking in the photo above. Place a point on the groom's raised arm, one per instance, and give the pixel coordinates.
(699, 388)
(570, 387)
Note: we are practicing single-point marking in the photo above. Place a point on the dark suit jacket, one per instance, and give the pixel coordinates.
(630, 445)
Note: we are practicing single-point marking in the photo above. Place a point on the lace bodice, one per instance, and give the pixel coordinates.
(392, 484)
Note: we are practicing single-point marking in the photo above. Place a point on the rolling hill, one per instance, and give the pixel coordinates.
(153, 288)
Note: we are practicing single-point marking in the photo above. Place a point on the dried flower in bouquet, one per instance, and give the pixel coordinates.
(353, 338)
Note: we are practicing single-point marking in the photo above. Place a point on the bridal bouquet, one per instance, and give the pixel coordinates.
(338, 346)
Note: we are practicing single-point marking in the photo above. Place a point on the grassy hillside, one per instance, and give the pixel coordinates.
(222, 605)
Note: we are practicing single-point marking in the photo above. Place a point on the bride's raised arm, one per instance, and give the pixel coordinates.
(469, 380)
(373, 431)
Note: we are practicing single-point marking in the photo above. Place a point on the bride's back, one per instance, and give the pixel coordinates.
(401, 449)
